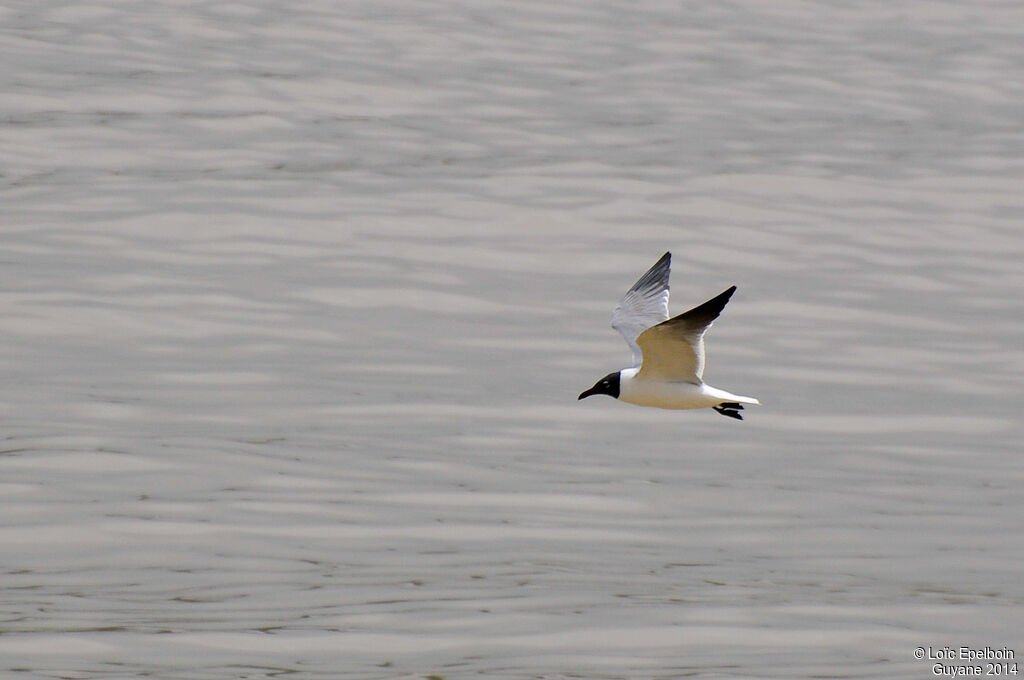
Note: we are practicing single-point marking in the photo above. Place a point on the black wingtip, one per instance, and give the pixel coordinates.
(656, 276)
(663, 261)
(708, 311)
(723, 297)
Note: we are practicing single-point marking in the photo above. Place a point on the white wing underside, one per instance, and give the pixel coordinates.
(643, 306)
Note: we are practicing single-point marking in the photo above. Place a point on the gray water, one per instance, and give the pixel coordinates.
(296, 300)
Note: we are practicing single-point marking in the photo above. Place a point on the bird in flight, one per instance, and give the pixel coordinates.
(668, 354)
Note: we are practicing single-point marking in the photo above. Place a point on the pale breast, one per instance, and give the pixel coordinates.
(660, 394)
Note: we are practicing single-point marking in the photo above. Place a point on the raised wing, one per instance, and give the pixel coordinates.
(643, 305)
(674, 349)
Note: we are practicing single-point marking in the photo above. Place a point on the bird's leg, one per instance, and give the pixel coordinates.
(731, 409)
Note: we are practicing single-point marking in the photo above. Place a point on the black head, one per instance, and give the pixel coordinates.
(607, 385)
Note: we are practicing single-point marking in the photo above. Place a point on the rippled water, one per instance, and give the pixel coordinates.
(296, 300)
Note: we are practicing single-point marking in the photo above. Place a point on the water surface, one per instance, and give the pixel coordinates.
(295, 303)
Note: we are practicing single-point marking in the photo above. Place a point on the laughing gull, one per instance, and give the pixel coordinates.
(668, 354)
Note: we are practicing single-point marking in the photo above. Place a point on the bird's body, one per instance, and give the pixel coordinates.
(668, 354)
(673, 394)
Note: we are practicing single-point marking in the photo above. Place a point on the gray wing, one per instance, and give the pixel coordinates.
(674, 349)
(644, 305)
